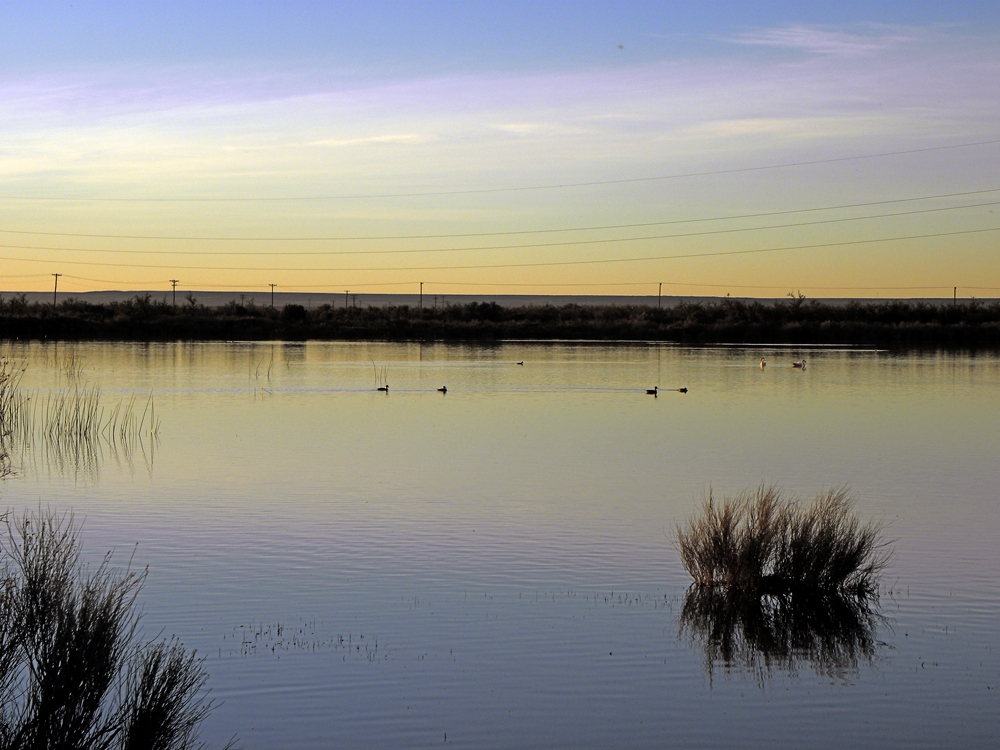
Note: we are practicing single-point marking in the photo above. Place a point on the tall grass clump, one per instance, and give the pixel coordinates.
(761, 542)
(778, 584)
(74, 669)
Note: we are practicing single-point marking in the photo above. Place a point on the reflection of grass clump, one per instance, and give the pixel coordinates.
(763, 543)
(73, 670)
(830, 632)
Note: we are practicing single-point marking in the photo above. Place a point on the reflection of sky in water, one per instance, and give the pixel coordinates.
(507, 543)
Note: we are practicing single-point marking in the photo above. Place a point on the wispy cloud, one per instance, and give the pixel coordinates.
(396, 138)
(538, 128)
(823, 41)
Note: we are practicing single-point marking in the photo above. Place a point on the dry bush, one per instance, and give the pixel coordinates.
(74, 670)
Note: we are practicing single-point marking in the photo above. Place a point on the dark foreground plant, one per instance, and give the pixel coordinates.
(74, 671)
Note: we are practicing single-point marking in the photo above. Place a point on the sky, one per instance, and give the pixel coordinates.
(836, 149)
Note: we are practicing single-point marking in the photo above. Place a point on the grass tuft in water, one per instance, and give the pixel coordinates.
(777, 583)
(761, 542)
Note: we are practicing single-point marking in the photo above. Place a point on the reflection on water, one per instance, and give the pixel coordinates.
(79, 457)
(831, 634)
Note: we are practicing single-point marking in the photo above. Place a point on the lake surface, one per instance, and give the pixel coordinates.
(493, 567)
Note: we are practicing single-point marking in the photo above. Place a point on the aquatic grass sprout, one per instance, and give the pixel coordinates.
(73, 428)
(74, 670)
(761, 542)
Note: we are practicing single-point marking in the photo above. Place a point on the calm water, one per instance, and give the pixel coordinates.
(492, 567)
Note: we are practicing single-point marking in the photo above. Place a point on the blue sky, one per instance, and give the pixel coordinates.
(429, 37)
(225, 101)
(432, 38)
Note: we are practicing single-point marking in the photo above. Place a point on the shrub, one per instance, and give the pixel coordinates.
(295, 313)
(74, 671)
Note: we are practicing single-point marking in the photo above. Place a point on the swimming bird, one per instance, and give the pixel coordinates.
(682, 390)
(763, 363)
(800, 365)
(443, 389)
(652, 391)
(384, 387)
(520, 363)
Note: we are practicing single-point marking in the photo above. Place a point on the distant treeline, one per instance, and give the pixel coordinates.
(892, 323)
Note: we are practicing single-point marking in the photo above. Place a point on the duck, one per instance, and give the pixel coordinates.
(443, 389)
(384, 387)
(763, 363)
(520, 363)
(801, 365)
(682, 390)
(652, 391)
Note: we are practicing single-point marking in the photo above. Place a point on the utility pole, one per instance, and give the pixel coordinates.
(55, 288)
(173, 284)
(347, 301)
(954, 296)
(272, 294)
(659, 295)
(421, 295)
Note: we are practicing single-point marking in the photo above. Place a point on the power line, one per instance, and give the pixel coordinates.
(694, 284)
(570, 284)
(729, 217)
(539, 264)
(566, 243)
(523, 188)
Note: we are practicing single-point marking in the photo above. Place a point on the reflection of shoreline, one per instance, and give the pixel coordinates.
(830, 633)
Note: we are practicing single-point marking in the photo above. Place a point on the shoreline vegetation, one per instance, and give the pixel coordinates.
(888, 324)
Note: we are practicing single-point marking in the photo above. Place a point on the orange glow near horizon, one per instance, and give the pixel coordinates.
(702, 175)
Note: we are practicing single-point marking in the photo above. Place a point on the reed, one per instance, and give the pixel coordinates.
(74, 669)
(73, 426)
(761, 543)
